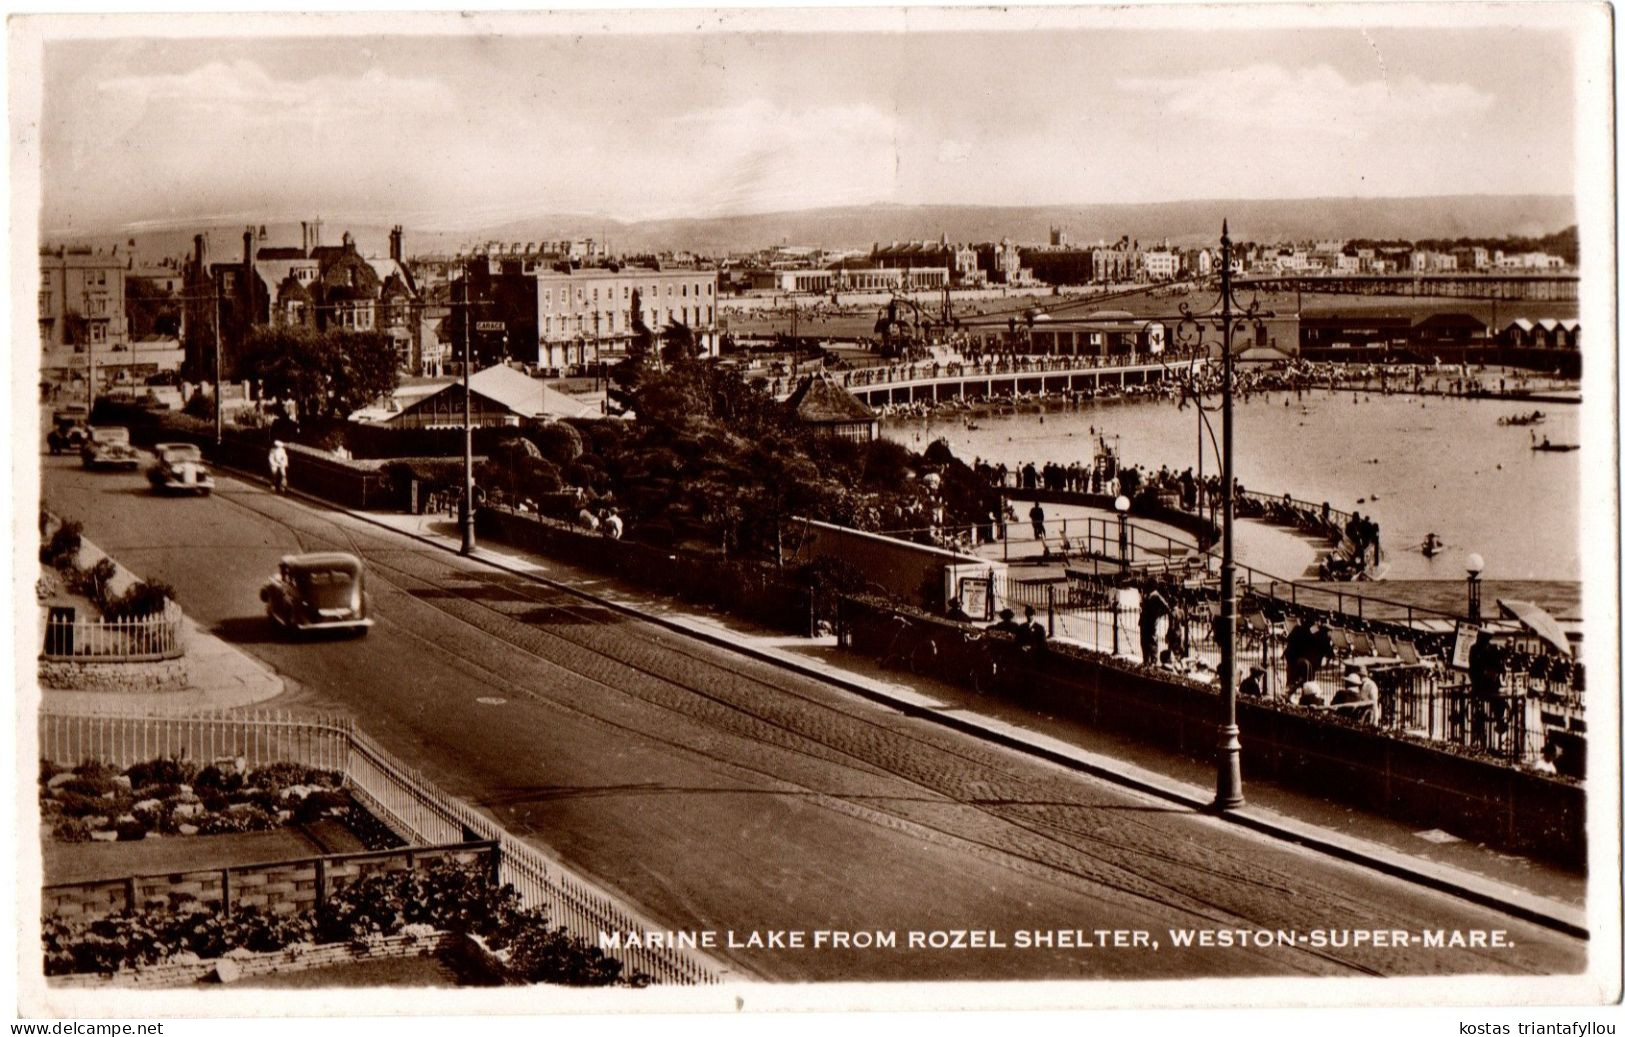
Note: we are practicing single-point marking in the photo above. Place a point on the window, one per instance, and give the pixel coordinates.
(45, 278)
(45, 302)
(595, 296)
(98, 333)
(685, 291)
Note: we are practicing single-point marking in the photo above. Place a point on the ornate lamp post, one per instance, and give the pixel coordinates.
(467, 515)
(1122, 504)
(1475, 568)
(1224, 318)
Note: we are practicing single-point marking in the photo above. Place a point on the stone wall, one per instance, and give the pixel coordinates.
(282, 887)
(1428, 784)
(243, 964)
(132, 677)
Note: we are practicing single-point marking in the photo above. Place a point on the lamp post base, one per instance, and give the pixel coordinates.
(1228, 796)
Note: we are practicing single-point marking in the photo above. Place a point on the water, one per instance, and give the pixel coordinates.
(1414, 464)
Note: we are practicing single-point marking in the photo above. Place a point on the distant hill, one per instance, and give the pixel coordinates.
(1181, 223)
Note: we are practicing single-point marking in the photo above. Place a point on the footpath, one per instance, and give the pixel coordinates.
(1516, 885)
(223, 677)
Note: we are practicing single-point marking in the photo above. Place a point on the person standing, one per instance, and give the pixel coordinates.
(1037, 515)
(278, 462)
(1153, 608)
(1485, 665)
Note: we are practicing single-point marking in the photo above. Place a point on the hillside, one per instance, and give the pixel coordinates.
(1182, 223)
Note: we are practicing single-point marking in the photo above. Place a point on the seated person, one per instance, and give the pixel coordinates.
(1357, 697)
(1256, 684)
(1007, 623)
(956, 611)
(1311, 694)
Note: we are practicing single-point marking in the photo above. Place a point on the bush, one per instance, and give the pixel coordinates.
(162, 771)
(70, 830)
(558, 442)
(48, 770)
(139, 601)
(132, 831)
(540, 954)
(88, 786)
(62, 550)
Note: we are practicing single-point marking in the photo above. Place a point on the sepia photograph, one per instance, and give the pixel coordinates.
(872, 508)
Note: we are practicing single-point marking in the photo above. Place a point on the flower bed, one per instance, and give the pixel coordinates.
(447, 897)
(94, 801)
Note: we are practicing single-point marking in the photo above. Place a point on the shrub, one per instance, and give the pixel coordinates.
(143, 599)
(63, 548)
(164, 770)
(540, 954)
(250, 819)
(48, 770)
(558, 442)
(87, 786)
(73, 804)
(132, 831)
(70, 830)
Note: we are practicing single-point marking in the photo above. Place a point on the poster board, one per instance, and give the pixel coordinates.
(1466, 634)
(976, 596)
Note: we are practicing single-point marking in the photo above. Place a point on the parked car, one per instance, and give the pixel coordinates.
(68, 430)
(320, 591)
(108, 447)
(180, 469)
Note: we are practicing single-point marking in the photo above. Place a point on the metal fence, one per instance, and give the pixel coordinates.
(1539, 713)
(146, 639)
(397, 794)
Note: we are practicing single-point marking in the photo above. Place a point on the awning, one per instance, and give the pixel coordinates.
(1538, 620)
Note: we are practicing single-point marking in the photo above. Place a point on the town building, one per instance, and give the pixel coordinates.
(315, 286)
(1540, 334)
(559, 320)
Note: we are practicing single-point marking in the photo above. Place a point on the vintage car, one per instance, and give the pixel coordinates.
(68, 430)
(320, 591)
(108, 447)
(180, 469)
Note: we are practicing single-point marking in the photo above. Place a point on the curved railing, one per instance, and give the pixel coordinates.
(146, 639)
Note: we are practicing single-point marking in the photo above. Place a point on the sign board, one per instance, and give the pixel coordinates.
(976, 597)
(490, 325)
(1466, 635)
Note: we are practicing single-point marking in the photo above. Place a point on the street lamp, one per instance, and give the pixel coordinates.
(467, 516)
(1475, 567)
(1121, 504)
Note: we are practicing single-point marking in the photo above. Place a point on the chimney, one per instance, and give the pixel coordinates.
(395, 236)
(304, 237)
(197, 249)
(349, 242)
(248, 249)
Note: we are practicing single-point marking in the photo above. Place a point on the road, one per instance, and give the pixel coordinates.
(719, 793)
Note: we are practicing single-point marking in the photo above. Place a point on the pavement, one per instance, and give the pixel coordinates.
(222, 677)
(1518, 886)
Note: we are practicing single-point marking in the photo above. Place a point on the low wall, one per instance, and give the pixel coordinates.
(123, 677)
(297, 958)
(1423, 783)
(281, 887)
(909, 572)
(741, 587)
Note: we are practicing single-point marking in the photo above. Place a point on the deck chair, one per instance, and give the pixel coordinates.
(1360, 644)
(1383, 645)
(1407, 653)
(1340, 640)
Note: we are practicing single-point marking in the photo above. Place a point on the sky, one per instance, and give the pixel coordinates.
(651, 114)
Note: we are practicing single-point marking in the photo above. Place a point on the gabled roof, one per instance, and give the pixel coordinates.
(526, 396)
(819, 401)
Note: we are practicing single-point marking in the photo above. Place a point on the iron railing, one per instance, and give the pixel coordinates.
(397, 794)
(144, 639)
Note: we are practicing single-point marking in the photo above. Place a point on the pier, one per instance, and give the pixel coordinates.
(926, 382)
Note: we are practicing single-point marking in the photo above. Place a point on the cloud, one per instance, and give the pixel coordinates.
(1312, 100)
(759, 155)
(244, 91)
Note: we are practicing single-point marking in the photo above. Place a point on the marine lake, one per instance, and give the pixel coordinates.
(1414, 464)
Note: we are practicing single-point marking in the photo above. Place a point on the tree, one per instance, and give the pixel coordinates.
(326, 374)
(150, 309)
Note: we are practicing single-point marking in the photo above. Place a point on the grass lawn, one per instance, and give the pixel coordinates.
(85, 862)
